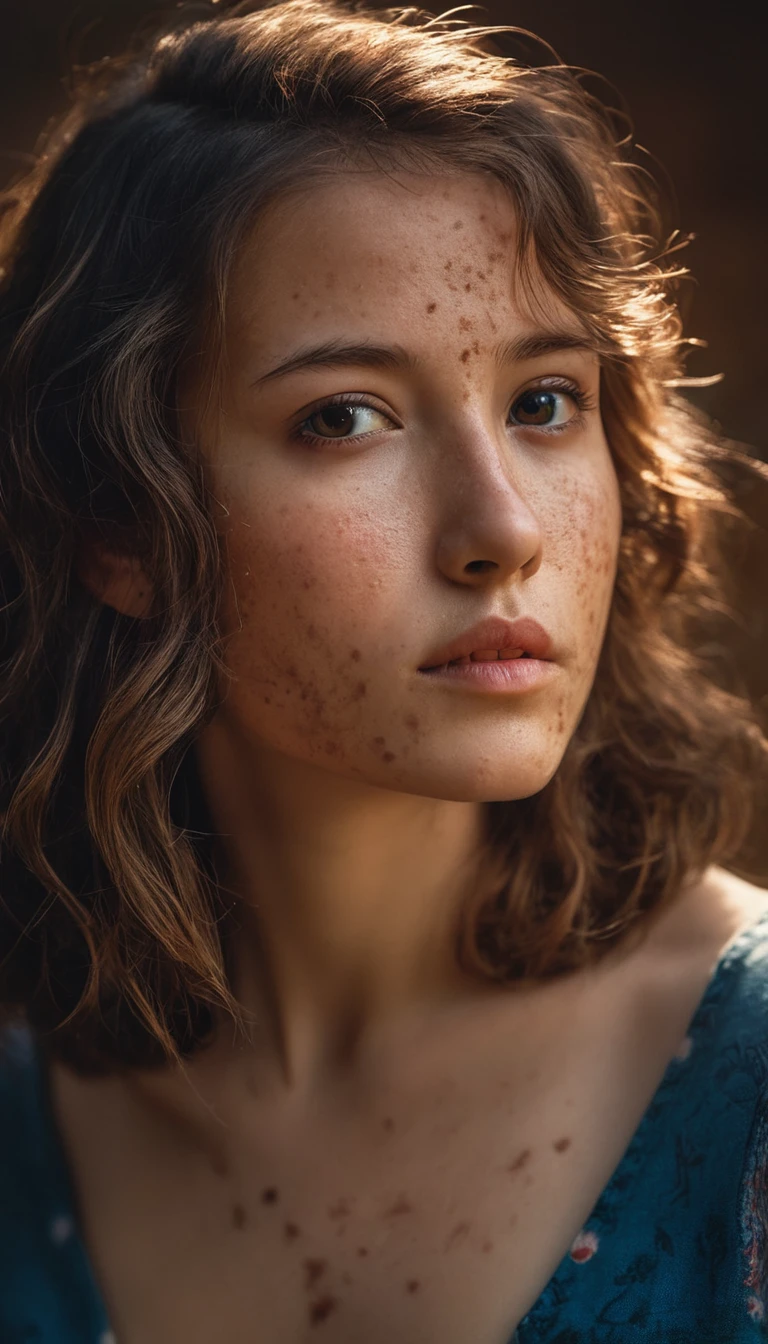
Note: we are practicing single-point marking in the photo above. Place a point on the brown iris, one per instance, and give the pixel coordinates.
(535, 408)
(333, 420)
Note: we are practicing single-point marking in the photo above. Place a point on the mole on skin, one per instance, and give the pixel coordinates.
(520, 1161)
(314, 1270)
(401, 1205)
(340, 1209)
(322, 1308)
(458, 1235)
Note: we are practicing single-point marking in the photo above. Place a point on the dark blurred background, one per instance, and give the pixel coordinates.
(695, 82)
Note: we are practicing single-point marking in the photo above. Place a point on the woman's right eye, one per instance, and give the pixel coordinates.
(339, 420)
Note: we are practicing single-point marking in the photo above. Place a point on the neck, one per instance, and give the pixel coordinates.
(348, 901)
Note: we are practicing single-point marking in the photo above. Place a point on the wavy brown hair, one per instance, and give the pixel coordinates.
(114, 932)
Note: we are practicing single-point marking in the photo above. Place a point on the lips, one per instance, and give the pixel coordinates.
(491, 638)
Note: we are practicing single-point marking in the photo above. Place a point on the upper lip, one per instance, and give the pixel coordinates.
(495, 633)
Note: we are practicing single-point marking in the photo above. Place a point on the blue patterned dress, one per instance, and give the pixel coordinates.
(674, 1252)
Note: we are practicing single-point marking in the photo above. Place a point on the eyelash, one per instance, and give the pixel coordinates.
(582, 401)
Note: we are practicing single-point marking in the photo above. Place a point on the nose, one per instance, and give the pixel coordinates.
(489, 530)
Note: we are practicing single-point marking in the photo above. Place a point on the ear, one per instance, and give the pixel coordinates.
(117, 580)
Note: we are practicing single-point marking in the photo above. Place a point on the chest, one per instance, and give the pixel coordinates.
(425, 1213)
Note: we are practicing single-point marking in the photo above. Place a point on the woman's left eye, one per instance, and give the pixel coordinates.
(548, 407)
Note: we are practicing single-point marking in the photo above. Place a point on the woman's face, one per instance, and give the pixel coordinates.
(359, 537)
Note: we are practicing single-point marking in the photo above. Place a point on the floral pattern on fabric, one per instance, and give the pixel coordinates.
(754, 1221)
(676, 1249)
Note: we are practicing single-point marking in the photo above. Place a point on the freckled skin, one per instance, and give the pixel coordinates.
(314, 1269)
(322, 1308)
(349, 562)
(520, 1161)
(401, 1205)
(457, 1236)
(341, 1209)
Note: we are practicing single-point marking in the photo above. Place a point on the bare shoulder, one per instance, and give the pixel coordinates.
(708, 914)
(744, 901)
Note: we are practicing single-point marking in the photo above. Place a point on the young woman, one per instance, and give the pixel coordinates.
(370, 965)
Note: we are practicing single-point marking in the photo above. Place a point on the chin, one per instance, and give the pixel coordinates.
(487, 782)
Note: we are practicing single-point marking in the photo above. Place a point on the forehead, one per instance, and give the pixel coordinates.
(373, 247)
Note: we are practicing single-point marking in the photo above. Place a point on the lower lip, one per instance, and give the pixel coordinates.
(501, 674)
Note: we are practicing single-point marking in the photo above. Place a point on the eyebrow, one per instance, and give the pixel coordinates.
(337, 354)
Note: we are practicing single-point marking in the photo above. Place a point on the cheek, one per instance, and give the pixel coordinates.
(303, 580)
(584, 541)
(311, 592)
